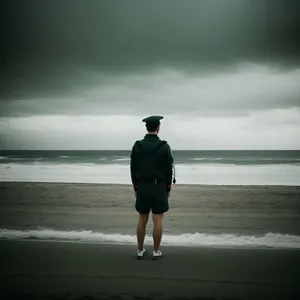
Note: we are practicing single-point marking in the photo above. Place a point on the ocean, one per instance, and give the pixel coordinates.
(191, 167)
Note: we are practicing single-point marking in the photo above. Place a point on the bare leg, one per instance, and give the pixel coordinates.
(141, 230)
(157, 230)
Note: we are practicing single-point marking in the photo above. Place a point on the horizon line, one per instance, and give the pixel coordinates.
(130, 150)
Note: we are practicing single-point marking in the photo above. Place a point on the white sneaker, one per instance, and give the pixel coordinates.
(157, 254)
(141, 254)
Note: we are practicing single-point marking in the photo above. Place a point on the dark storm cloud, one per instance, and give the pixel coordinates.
(117, 33)
(50, 47)
(113, 34)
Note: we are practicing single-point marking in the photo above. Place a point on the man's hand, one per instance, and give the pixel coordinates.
(169, 189)
(135, 189)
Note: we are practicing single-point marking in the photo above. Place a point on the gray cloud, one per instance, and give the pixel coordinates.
(238, 91)
(260, 130)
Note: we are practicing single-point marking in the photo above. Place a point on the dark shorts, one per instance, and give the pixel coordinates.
(152, 198)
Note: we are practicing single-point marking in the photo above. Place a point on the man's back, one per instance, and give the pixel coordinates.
(151, 159)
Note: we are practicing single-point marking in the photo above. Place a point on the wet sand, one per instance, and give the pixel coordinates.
(64, 270)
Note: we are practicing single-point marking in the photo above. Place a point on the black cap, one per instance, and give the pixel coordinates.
(153, 120)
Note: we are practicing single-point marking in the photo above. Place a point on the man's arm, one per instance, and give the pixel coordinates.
(169, 167)
(133, 168)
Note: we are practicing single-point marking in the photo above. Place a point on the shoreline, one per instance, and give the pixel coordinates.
(149, 245)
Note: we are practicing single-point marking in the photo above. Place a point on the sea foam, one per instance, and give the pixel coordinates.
(269, 240)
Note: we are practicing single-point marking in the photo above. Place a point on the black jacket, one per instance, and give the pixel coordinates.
(164, 158)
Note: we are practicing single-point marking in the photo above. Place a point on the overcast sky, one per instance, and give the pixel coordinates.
(225, 74)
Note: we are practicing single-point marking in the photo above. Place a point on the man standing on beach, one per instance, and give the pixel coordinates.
(151, 170)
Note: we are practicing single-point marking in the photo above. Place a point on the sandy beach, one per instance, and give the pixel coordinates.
(57, 265)
(110, 208)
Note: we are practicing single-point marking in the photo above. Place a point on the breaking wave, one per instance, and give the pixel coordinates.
(119, 173)
(269, 240)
